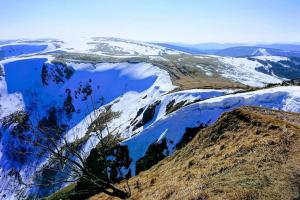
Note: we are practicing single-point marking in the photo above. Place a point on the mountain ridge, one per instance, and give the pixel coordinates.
(163, 96)
(244, 155)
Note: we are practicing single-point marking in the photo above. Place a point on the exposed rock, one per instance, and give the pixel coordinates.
(153, 155)
(147, 115)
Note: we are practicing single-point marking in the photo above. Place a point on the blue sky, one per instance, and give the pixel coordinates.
(189, 21)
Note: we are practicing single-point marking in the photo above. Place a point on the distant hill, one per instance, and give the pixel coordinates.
(286, 47)
(244, 51)
(187, 49)
(237, 49)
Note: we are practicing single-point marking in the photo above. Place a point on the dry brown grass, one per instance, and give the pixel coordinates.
(186, 75)
(249, 153)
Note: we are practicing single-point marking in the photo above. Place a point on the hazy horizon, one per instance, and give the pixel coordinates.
(190, 21)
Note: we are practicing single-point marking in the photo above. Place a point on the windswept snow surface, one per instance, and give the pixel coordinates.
(187, 96)
(244, 71)
(125, 96)
(17, 79)
(133, 104)
(78, 45)
(117, 46)
(172, 127)
(20, 48)
(107, 81)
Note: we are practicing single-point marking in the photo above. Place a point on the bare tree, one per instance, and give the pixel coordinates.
(66, 161)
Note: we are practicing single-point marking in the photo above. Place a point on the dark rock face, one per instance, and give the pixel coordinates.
(189, 134)
(1, 72)
(295, 82)
(44, 75)
(172, 107)
(292, 82)
(15, 128)
(57, 72)
(68, 106)
(147, 115)
(153, 155)
(84, 91)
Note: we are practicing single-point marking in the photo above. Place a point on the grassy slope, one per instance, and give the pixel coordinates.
(182, 69)
(249, 153)
(186, 75)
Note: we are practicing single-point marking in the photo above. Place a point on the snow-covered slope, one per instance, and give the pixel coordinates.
(173, 127)
(256, 71)
(37, 87)
(44, 88)
(26, 47)
(98, 45)
(117, 46)
(245, 71)
(263, 50)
